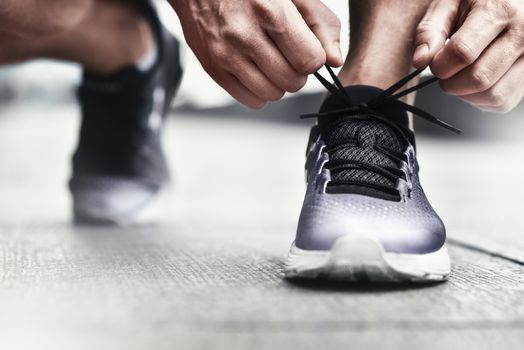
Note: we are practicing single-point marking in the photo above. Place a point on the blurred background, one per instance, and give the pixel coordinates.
(208, 273)
(31, 82)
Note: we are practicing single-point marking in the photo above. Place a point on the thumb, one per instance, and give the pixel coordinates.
(326, 27)
(433, 31)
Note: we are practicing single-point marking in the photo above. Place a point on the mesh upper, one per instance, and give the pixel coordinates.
(362, 136)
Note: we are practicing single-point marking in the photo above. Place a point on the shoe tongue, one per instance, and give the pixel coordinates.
(358, 138)
(363, 94)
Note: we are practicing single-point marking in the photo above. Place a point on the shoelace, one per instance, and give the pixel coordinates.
(368, 111)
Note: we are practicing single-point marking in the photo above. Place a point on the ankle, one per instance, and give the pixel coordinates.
(358, 70)
(382, 77)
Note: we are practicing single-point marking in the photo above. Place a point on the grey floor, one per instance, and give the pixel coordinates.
(208, 273)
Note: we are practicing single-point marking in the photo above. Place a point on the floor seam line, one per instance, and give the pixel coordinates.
(459, 243)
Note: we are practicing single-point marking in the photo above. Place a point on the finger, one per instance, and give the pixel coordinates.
(274, 65)
(252, 78)
(506, 94)
(433, 31)
(238, 91)
(467, 44)
(325, 25)
(293, 37)
(491, 66)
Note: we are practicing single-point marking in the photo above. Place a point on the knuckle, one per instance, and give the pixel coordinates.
(497, 98)
(422, 36)
(235, 32)
(217, 50)
(462, 51)
(507, 8)
(267, 10)
(335, 22)
(296, 84)
(425, 27)
(517, 38)
(480, 80)
(310, 64)
(276, 95)
(427, 30)
(220, 54)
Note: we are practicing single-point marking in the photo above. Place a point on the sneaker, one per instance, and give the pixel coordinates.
(119, 167)
(365, 215)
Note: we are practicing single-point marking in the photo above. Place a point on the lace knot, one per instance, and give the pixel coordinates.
(388, 95)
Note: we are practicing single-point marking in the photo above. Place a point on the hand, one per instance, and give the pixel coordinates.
(259, 49)
(483, 61)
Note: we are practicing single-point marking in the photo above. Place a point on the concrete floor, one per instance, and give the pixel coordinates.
(208, 273)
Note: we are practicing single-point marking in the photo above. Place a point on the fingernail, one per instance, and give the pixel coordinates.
(421, 52)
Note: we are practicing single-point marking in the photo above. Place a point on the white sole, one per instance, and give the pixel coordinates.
(364, 259)
(148, 213)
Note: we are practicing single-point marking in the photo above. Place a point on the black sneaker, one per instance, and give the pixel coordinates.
(119, 166)
(365, 215)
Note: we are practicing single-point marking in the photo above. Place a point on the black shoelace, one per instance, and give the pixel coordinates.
(368, 112)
